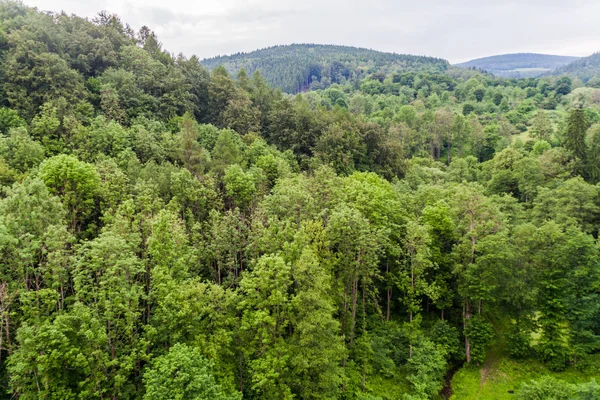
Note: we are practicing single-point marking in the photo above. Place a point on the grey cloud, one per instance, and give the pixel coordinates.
(160, 16)
(454, 29)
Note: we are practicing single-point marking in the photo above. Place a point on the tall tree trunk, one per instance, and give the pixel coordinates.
(241, 362)
(344, 369)
(410, 346)
(389, 291)
(389, 300)
(218, 272)
(345, 314)
(467, 342)
(364, 328)
(354, 304)
(354, 299)
(467, 305)
(412, 286)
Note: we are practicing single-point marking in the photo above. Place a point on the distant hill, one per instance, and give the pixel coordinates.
(294, 68)
(521, 65)
(583, 68)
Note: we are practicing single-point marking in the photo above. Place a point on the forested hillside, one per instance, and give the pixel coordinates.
(300, 67)
(167, 232)
(586, 69)
(521, 65)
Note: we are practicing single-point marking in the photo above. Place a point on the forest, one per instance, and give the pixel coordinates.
(520, 65)
(300, 67)
(587, 69)
(170, 232)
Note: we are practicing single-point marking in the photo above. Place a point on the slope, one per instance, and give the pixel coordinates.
(584, 68)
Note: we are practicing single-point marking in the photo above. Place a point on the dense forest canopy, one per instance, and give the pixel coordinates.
(169, 232)
(300, 67)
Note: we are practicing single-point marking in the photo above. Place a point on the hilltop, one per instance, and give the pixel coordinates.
(298, 67)
(521, 65)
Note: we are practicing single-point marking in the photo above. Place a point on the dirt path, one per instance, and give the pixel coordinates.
(494, 355)
(488, 367)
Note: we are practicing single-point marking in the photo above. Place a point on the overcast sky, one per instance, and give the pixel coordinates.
(457, 30)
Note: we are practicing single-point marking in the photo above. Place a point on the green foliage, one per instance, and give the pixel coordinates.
(427, 366)
(519, 341)
(266, 310)
(61, 359)
(227, 150)
(9, 119)
(551, 388)
(479, 93)
(480, 334)
(239, 185)
(182, 373)
(585, 68)
(76, 183)
(575, 136)
(20, 151)
(317, 346)
(504, 378)
(340, 243)
(102, 137)
(33, 77)
(339, 148)
(446, 338)
(547, 388)
(191, 153)
(468, 109)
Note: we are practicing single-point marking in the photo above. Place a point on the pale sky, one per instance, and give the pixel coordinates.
(457, 30)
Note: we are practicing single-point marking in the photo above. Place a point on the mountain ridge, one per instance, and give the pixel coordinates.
(519, 65)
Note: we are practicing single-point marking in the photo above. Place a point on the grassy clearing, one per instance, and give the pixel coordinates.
(495, 381)
(531, 70)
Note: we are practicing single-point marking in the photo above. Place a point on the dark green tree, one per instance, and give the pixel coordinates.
(577, 126)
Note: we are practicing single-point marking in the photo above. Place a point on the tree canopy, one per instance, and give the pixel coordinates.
(170, 232)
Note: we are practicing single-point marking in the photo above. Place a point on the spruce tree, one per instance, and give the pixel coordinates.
(575, 136)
